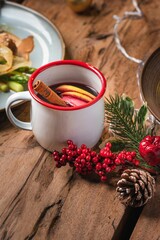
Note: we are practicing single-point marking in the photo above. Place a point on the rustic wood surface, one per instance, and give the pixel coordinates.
(39, 201)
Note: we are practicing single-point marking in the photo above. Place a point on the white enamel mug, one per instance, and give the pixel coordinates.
(53, 125)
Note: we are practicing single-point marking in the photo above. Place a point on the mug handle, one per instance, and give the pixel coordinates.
(13, 98)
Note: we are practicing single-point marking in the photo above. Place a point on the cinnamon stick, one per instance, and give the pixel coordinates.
(46, 92)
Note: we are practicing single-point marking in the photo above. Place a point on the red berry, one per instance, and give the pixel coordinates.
(133, 154)
(121, 155)
(108, 144)
(101, 173)
(69, 142)
(90, 167)
(55, 153)
(85, 150)
(75, 146)
(108, 154)
(113, 167)
(83, 146)
(103, 178)
(95, 159)
(74, 153)
(69, 158)
(136, 162)
(117, 161)
(104, 165)
(58, 165)
(67, 151)
(88, 158)
(93, 154)
(76, 164)
(107, 149)
(64, 150)
(78, 169)
(108, 169)
(71, 147)
(56, 158)
(83, 161)
(83, 155)
(101, 153)
(63, 157)
(129, 158)
(79, 151)
(62, 162)
(78, 159)
(107, 161)
(98, 166)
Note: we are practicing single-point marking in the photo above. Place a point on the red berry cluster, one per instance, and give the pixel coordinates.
(85, 160)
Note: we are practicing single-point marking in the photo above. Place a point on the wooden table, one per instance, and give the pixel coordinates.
(39, 201)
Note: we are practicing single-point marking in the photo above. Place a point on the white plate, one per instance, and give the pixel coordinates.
(23, 21)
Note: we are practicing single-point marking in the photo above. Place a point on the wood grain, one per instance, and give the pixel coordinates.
(147, 226)
(39, 201)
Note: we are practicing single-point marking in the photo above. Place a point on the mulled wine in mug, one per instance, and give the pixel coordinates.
(80, 87)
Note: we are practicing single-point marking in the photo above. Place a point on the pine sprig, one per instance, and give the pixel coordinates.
(125, 121)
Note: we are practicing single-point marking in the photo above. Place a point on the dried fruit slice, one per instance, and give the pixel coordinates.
(70, 88)
(74, 102)
(80, 96)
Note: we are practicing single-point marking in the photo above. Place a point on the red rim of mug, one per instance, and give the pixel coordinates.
(67, 62)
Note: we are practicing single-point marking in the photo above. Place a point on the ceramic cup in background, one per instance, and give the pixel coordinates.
(53, 125)
(149, 81)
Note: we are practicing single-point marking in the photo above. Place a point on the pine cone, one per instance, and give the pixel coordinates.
(135, 187)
